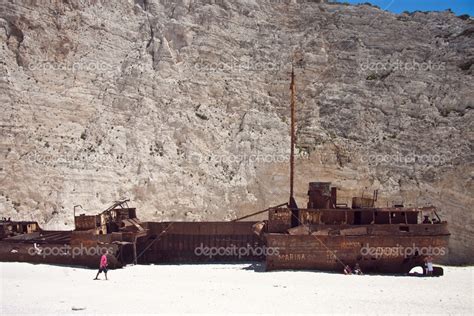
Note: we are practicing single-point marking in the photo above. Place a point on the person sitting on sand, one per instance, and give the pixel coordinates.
(429, 265)
(357, 269)
(347, 270)
(102, 267)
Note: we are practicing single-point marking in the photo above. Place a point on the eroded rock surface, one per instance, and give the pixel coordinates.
(183, 107)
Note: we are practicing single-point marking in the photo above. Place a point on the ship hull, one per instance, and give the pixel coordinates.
(374, 254)
(25, 252)
(60, 247)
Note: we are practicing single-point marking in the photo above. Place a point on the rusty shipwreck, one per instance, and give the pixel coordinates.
(326, 235)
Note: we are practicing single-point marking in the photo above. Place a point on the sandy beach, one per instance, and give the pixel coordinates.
(227, 289)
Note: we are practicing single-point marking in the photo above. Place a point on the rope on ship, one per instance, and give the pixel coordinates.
(153, 241)
(321, 242)
(333, 253)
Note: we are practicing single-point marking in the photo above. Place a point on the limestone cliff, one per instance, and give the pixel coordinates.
(183, 107)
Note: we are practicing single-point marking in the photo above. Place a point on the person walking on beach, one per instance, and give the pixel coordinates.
(102, 266)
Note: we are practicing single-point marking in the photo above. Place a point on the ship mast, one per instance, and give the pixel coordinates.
(292, 150)
(292, 203)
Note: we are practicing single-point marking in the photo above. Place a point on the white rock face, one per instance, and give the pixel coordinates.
(183, 107)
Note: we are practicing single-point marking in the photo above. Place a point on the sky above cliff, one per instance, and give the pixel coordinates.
(398, 6)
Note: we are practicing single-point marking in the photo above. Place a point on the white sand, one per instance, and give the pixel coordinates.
(227, 289)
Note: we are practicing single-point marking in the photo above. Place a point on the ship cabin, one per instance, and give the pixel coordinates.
(323, 209)
(118, 217)
(10, 228)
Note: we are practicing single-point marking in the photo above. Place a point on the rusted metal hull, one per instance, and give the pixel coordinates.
(114, 232)
(200, 242)
(331, 253)
(313, 239)
(60, 247)
(22, 252)
(159, 242)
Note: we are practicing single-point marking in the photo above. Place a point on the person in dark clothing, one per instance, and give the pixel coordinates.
(357, 269)
(347, 270)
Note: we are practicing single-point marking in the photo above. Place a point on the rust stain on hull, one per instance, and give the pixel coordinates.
(192, 242)
(326, 239)
(331, 253)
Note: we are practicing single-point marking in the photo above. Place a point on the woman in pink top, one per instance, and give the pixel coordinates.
(102, 266)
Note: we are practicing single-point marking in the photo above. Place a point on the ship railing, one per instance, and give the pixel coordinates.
(367, 216)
